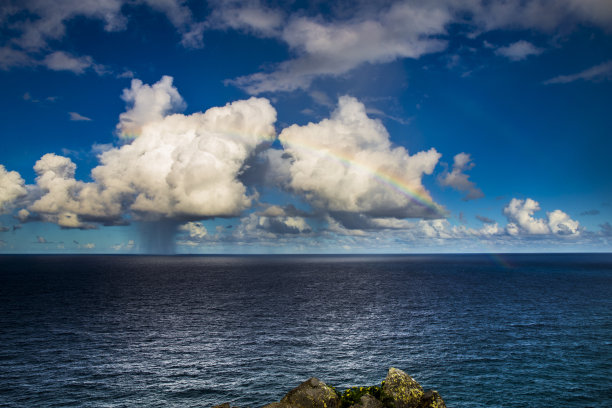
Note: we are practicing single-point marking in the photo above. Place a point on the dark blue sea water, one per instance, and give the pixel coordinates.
(486, 331)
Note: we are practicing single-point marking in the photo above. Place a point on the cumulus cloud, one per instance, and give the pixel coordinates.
(521, 220)
(195, 230)
(598, 73)
(256, 226)
(518, 51)
(457, 178)
(347, 164)
(178, 166)
(12, 187)
(148, 104)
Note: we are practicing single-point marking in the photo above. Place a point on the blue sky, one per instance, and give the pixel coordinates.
(282, 127)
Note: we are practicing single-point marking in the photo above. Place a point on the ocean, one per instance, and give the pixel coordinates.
(195, 331)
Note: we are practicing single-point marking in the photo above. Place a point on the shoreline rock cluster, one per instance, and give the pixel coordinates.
(397, 390)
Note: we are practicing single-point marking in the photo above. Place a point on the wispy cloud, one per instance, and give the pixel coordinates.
(518, 51)
(601, 72)
(590, 212)
(77, 117)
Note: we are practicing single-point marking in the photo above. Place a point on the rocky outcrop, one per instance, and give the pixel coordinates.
(312, 393)
(398, 390)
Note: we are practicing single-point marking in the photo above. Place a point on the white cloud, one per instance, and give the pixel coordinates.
(10, 57)
(334, 48)
(149, 103)
(521, 220)
(23, 215)
(521, 213)
(560, 223)
(74, 116)
(457, 178)
(62, 61)
(597, 73)
(256, 226)
(518, 51)
(41, 24)
(179, 166)
(383, 32)
(195, 230)
(12, 187)
(250, 16)
(347, 164)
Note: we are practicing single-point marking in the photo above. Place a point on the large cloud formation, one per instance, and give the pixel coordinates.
(12, 187)
(347, 164)
(178, 166)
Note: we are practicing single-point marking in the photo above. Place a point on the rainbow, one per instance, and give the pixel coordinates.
(421, 198)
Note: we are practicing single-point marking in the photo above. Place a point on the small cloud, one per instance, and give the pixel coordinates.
(485, 220)
(321, 99)
(52, 98)
(518, 51)
(378, 112)
(4, 229)
(590, 212)
(78, 117)
(41, 239)
(598, 73)
(458, 180)
(89, 245)
(606, 229)
(62, 61)
(126, 74)
(28, 97)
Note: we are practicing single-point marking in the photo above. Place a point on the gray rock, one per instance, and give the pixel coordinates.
(279, 405)
(312, 393)
(368, 401)
(400, 390)
(431, 399)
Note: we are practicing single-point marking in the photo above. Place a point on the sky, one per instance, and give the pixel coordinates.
(256, 127)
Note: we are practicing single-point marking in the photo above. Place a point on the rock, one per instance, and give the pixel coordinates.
(368, 401)
(312, 393)
(279, 405)
(224, 405)
(400, 390)
(431, 399)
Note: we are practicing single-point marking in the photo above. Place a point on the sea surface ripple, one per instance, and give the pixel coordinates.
(485, 331)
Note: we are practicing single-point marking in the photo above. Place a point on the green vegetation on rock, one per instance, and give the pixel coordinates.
(398, 390)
